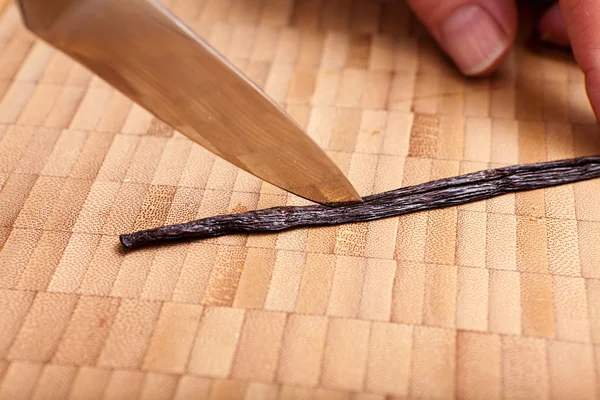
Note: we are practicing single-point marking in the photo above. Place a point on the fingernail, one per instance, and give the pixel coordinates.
(473, 39)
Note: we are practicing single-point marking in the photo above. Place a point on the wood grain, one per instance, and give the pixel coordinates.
(496, 299)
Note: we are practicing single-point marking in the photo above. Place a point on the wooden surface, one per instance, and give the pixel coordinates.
(497, 299)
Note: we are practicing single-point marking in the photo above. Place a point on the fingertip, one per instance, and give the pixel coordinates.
(476, 34)
(592, 83)
(474, 39)
(552, 28)
(582, 19)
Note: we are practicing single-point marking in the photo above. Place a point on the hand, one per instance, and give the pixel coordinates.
(478, 34)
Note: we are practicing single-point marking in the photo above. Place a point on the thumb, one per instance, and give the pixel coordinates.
(476, 34)
(582, 20)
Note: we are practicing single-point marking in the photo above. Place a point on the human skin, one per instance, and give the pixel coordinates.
(478, 34)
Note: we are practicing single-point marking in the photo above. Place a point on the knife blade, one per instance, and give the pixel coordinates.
(148, 54)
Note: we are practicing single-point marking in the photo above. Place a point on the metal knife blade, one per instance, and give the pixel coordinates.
(151, 56)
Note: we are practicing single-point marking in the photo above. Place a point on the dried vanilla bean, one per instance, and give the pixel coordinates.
(432, 195)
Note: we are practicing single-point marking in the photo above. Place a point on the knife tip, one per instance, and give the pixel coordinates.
(336, 194)
(343, 203)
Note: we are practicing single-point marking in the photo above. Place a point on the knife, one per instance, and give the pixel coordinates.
(148, 54)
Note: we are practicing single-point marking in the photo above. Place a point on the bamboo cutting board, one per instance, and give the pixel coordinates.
(495, 299)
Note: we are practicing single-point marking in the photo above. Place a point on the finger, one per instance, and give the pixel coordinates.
(476, 34)
(582, 19)
(553, 28)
